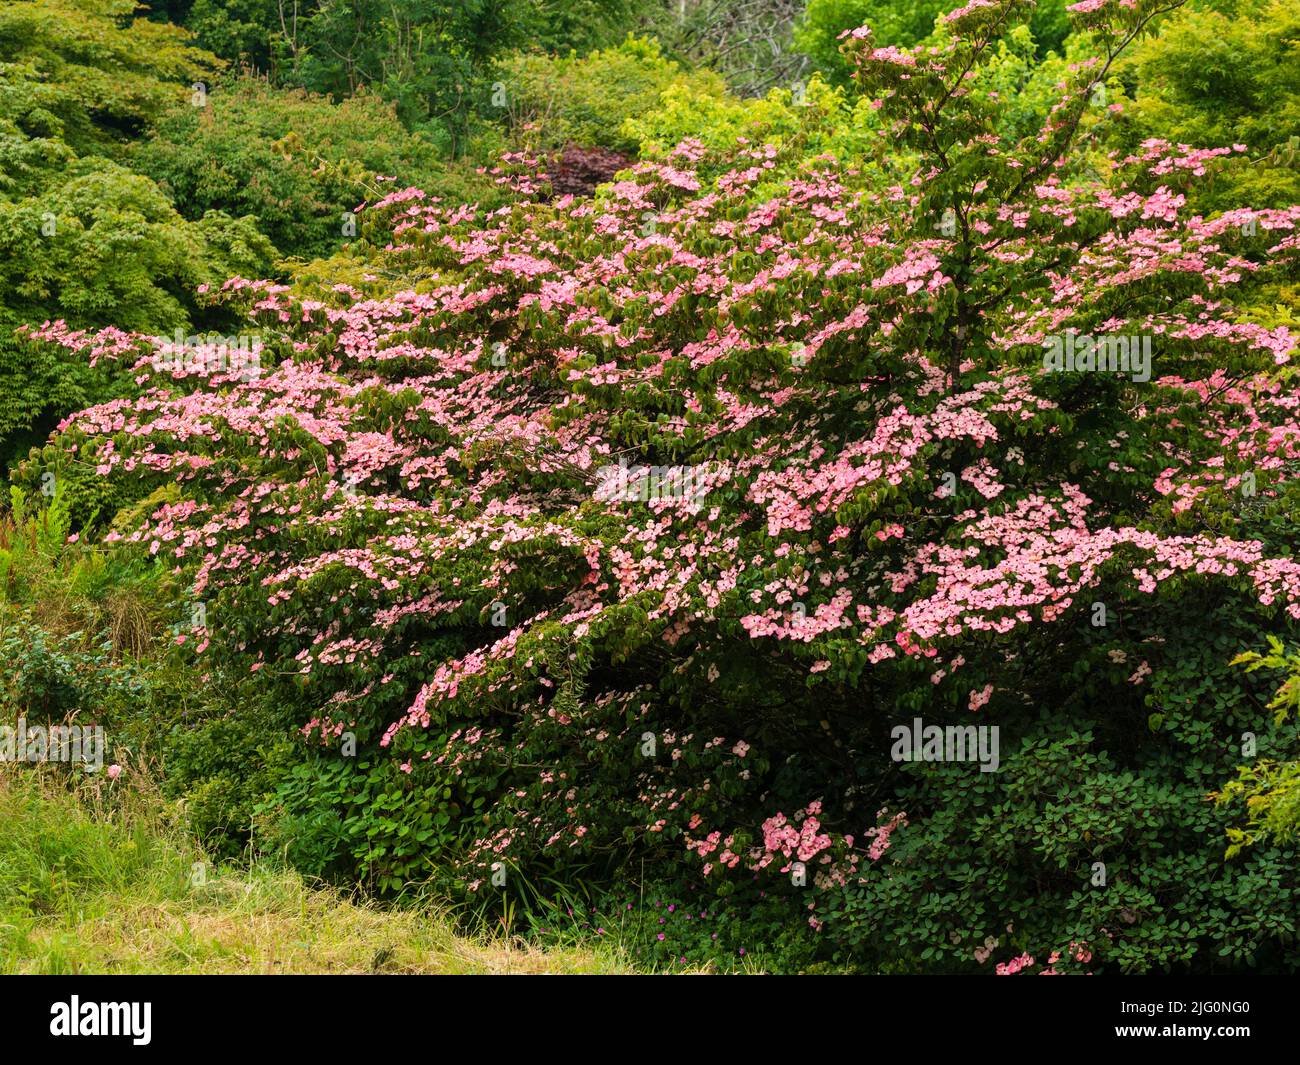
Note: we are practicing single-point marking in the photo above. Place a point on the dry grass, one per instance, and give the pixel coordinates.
(67, 589)
(273, 923)
(98, 882)
(97, 876)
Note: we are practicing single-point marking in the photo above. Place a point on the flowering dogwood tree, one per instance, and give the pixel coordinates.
(446, 519)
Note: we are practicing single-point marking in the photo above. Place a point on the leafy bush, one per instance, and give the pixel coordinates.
(1269, 788)
(903, 23)
(366, 819)
(51, 678)
(222, 765)
(587, 100)
(430, 57)
(89, 74)
(1224, 75)
(106, 245)
(1094, 841)
(297, 164)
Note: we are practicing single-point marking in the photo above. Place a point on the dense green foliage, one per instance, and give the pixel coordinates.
(900, 22)
(591, 99)
(297, 164)
(1228, 75)
(82, 237)
(429, 57)
(391, 539)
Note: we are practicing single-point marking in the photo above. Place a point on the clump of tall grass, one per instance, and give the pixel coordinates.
(69, 589)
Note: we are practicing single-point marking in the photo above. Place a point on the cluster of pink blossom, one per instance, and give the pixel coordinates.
(402, 503)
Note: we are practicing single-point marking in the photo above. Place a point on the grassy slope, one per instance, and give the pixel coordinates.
(98, 883)
(102, 880)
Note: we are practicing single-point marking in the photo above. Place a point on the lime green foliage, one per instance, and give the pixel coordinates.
(718, 122)
(1271, 792)
(818, 120)
(83, 75)
(82, 238)
(591, 100)
(902, 23)
(1222, 75)
(825, 119)
(1269, 788)
(1030, 81)
(297, 163)
(1286, 702)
